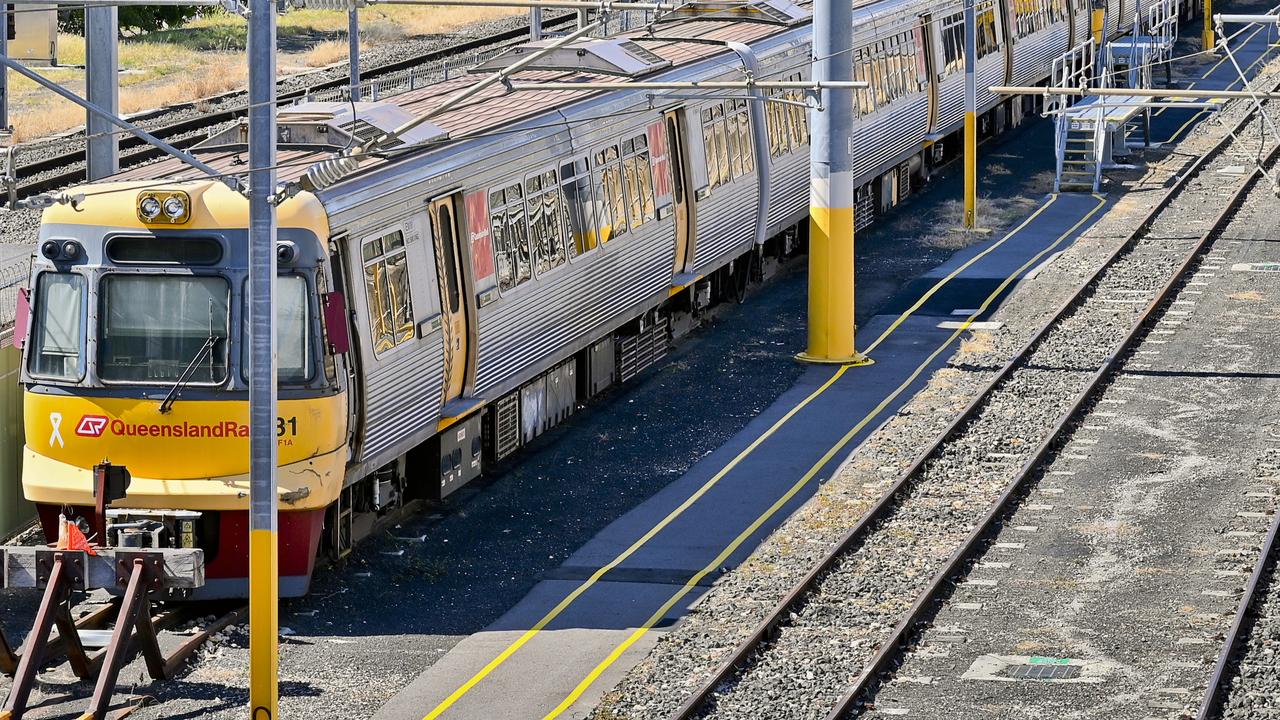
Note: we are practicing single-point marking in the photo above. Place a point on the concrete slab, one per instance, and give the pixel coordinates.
(554, 662)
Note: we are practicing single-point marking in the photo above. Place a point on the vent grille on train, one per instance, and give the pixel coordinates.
(637, 352)
(364, 131)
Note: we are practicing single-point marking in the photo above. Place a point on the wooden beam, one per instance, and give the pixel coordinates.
(183, 568)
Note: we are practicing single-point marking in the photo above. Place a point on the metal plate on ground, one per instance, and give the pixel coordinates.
(1021, 668)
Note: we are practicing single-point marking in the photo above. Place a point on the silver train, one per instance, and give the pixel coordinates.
(461, 292)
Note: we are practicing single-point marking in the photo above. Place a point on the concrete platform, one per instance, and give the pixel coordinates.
(645, 569)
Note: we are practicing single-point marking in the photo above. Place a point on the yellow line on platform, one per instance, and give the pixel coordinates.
(813, 470)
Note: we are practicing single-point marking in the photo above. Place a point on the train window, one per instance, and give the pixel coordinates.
(953, 43)
(734, 142)
(785, 122)
(57, 347)
(986, 40)
(742, 120)
(449, 254)
(578, 207)
(294, 341)
(510, 233)
(386, 279)
(889, 67)
(152, 250)
(722, 144)
(330, 364)
(726, 133)
(152, 328)
(713, 152)
(779, 143)
(606, 171)
(546, 226)
(639, 180)
(799, 117)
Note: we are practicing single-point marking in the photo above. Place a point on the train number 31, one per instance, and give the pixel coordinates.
(287, 427)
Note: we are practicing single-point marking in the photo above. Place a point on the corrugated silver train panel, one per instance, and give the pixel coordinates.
(403, 397)
(527, 330)
(1034, 54)
(951, 92)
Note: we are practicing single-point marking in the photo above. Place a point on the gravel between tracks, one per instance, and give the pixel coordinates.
(863, 597)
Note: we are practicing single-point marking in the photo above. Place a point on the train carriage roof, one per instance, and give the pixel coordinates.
(672, 45)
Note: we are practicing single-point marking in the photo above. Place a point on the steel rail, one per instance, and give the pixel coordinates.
(143, 153)
(1213, 695)
(795, 597)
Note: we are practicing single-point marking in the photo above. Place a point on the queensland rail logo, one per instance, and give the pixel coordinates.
(91, 426)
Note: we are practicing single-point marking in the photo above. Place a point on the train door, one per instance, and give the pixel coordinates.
(927, 39)
(681, 189)
(453, 305)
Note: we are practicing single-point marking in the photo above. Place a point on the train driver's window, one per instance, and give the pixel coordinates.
(606, 171)
(639, 177)
(578, 207)
(57, 348)
(546, 226)
(386, 279)
(510, 236)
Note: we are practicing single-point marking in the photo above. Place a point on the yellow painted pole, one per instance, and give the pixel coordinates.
(831, 273)
(970, 117)
(1206, 38)
(264, 570)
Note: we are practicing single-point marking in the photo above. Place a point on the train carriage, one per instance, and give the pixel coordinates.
(463, 289)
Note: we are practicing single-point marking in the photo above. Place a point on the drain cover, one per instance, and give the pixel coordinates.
(1053, 670)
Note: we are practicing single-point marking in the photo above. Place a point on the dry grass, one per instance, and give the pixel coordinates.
(325, 53)
(978, 343)
(206, 57)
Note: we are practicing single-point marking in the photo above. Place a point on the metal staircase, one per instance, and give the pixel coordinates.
(1080, 145)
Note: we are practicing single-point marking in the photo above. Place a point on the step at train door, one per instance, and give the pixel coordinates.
(682, 196)
(453, 305)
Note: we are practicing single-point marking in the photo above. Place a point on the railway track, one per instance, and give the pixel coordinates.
(1250, 652)
(59, 171)
(184, 627)
(866, 597)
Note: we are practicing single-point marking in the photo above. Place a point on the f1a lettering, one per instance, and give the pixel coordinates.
(287, 426)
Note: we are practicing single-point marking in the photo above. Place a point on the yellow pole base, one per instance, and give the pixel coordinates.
(855, 360)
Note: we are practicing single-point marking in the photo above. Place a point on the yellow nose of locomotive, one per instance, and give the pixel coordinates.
(135, 351)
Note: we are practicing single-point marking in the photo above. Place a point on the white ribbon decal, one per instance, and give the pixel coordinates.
(55, 419)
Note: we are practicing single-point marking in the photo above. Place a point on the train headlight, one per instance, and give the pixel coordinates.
(174, 207)
(165, 207)
(149, 208)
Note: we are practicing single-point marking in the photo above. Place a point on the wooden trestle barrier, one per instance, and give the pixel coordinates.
(140, 575)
